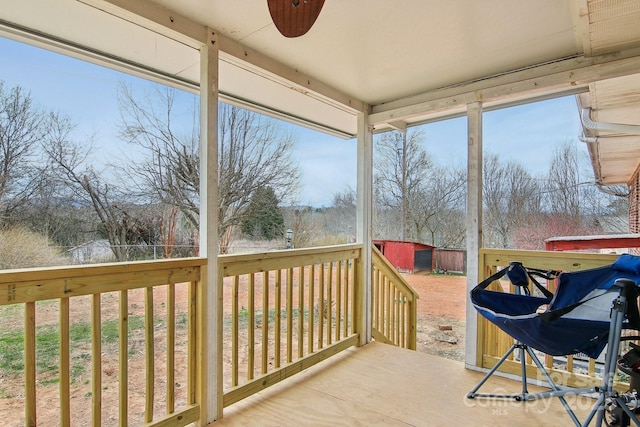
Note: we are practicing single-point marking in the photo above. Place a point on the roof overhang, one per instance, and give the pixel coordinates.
(611, 127)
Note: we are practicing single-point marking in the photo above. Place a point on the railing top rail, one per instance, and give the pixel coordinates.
(389, 270)
(45, 273)
(232, 265)
(29, 285)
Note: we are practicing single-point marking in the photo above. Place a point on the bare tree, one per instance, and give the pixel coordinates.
(170, 142)
(437, 208)
(340, 218)
(564, 181)
(305, 226)
(69, 159)
(510, 196)
(345, 200)
(167, 226)
(574, 200)
(254, 152)
(402, 166)
(522, 211)
(538, 228)
(21, 130)
(54, 212)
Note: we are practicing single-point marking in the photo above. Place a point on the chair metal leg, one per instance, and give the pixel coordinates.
(472, 394)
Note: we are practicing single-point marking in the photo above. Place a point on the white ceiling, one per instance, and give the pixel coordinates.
(381, 50)
(407, 61)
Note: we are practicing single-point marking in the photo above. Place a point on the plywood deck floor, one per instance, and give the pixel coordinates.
(381, 385)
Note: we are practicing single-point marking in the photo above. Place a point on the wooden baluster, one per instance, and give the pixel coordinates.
(149, 354)
(321, 308)
(30, 363)
(251, 327)
(329, 308)
(278, 320)
(65, 354)
(234, 331)
(123, 358)
(310, 333)
(338, 298)
(300, 312)
(193, 368)
(96, 361)
(265, 322)
(171, 342)
(289, 315)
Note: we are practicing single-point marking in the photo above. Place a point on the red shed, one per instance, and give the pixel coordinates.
(407, 257)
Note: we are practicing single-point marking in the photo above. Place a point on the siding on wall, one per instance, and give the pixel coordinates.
(451, 260)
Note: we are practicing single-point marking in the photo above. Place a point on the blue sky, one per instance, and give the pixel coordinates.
(85, 92)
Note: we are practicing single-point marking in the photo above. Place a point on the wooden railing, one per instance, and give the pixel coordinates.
(118, 342)
(394, 305)
(572, 370)
(284, 311)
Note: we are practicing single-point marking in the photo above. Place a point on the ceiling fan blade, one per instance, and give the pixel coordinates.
(294, 18)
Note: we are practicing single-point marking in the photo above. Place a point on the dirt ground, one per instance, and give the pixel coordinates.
(440, 331)
(441, 313)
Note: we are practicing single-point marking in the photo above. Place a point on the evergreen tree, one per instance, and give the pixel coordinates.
(263, 218)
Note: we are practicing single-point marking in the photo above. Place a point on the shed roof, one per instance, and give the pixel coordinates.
(404, 242)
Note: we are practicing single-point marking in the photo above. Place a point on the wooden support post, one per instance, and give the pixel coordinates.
(362, 307)
(474, 221)
(209, 293)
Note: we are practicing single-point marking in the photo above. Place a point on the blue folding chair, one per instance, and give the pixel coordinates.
(586, 315)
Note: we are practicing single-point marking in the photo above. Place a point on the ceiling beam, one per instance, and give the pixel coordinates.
(398, 125)
(156, 18)
(567, 75)
(250, 59)
(167, 22)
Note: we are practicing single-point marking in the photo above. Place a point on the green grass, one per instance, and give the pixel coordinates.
(7, 311)
(48, 345)
(77, 371)
(47, 348)
(110, 328)
(11, 352)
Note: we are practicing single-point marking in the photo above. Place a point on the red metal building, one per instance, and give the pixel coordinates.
(407, 257)
(576, 243)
